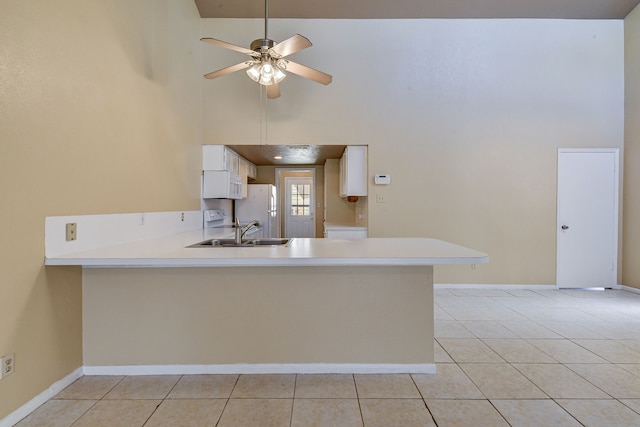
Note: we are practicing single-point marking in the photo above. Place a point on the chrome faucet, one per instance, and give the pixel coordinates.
(241, 230)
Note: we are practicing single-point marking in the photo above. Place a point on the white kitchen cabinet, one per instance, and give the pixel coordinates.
(232, 161)
(220, 158)
(247, 170)
(353, 171)
(338, 231)
(244, 176)
(221, 185)
(252, 171)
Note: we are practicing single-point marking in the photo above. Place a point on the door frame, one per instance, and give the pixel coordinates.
(282, 196)
(616, 207)
(310, 228)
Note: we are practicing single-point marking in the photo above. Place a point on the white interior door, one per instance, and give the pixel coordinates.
(299, 202)
(587, 222)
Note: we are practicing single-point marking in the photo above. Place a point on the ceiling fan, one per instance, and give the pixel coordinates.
(268, 61)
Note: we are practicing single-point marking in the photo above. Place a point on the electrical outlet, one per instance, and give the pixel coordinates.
(379, 198)
(71, 231)
(7, 364)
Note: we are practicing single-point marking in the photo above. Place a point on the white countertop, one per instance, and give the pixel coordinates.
(171, 251)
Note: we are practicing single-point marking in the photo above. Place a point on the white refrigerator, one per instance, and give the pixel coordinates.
(261, 204)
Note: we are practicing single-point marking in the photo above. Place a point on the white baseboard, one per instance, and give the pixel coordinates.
(630, 289)
(492, 286)
(287, 368)
(40, 399)
(522, 287)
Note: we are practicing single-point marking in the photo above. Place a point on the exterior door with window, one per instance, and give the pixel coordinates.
(299, 202)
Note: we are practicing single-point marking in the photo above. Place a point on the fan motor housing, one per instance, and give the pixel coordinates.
(262, 45)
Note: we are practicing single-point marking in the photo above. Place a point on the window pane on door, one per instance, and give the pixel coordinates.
(300, 199)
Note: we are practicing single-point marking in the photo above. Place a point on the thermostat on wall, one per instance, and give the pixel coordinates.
(382, 178)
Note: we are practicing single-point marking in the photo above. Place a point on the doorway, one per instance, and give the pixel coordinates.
(587, 218)
(299, 219)
(297, 187)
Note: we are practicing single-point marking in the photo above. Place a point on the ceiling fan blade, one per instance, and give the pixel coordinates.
(273, 91)
(291, 45)
(308, 73)
(226, 45)
(228, 70)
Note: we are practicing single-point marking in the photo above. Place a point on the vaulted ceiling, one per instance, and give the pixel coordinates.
(386, 9)
(396, 9)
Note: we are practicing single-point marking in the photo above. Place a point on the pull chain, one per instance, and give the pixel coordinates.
(264, 115)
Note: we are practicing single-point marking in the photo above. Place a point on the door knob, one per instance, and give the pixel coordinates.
(565, 227)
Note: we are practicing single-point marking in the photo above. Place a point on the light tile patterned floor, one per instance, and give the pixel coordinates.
(504, 358)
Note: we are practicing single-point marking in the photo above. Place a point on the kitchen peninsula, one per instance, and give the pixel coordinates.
(316, 305)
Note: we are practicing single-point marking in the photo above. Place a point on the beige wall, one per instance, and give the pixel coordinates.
(266, 175)
(465, 115)
(99, 113)
(631, 213)
(344, 314)
(338, 209)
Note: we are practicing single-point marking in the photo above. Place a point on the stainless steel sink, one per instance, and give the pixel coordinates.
(271, 242)
(219, 243)
(231, 243)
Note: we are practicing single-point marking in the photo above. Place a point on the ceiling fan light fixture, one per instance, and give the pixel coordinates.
(266, 73)
(278, 75)
(254, 72)
(267, 65)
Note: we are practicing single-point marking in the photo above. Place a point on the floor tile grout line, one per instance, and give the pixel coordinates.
(560, 364)
(293, 399)
(423, 399)
(501, 414)
(565, 410)
(355, 384)
(161, 401)
(152, 412)
(634, 410)
(550, 355)
(81, 415)
(114, 386)
(226, 403)
(97, 400)
(570, 414)
(587, 380)
(591, 351)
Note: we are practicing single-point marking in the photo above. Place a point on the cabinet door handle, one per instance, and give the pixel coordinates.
(565, 227)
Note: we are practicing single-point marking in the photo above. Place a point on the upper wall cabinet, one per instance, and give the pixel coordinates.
(353, 171)
(220, 158)
(244, 176)
(252, 170)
